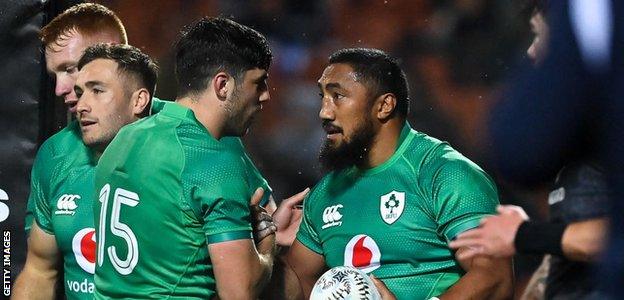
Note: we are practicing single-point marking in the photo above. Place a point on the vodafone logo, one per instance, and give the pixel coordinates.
(83, 245)
(363, 253)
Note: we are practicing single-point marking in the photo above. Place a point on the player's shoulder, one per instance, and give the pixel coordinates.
(63, 148)
(436, 154)
(330, 185)
(63, 142)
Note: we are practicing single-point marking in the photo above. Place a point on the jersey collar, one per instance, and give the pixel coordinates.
(406, 136)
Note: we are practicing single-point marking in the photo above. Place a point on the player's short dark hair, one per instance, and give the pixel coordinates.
(130, 62)
(85, 18)
(213, 45)
(379, 72)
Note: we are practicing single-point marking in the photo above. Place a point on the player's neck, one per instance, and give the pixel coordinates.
(384, 144)
(212, 119)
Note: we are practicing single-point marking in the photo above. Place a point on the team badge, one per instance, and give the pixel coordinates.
(363, 253)
(391, 206)
(83, 245)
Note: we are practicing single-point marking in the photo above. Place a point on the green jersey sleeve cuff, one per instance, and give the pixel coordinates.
(309, 244)
(46, 229)
(228, 236)
(464, 225)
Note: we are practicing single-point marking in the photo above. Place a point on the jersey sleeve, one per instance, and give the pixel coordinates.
(223, 201)
(38, 208)
(307, 235)
(254, 176)
(462, 195)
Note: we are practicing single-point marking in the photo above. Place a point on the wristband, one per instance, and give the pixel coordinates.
(540, 238)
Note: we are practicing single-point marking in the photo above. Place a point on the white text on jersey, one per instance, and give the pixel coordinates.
(331, 216)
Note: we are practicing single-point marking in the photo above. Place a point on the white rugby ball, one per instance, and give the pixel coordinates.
(344, 283)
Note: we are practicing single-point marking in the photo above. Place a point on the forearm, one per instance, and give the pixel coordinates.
(284, 284)
(578, 241)
(584, 241)
(34, 284)
(486, 278)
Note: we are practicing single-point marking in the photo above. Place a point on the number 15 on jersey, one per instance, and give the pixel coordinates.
(117, 229)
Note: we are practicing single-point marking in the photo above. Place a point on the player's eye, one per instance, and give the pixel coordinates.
(71, 70)
(97, 91)
(338, 96)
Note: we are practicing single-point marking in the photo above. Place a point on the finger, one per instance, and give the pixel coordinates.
(485, 220)
(256, 197)
(383, 290)
(262, 225)
(260, 235)
(470, 234)
(296, 198)
(264, 217)
(464, 242)
(469, 253)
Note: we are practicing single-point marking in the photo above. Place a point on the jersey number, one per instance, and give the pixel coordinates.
(125, 197)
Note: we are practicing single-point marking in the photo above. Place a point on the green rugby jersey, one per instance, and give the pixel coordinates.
(166, 190)
(396, 219)
(60, 201)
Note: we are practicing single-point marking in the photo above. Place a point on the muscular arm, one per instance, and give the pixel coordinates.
(241, 271)
(581, 241)
(41, 271)
(295, 273)
(584, 240)
(485, 278)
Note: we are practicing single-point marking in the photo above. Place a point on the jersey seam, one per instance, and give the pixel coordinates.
(188, 265)
(433, 287)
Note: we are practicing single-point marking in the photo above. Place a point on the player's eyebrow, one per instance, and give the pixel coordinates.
(262, 78)
(331, 85)
(92, 83)
(64, 65)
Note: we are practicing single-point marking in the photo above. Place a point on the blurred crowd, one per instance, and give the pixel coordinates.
(456, 53)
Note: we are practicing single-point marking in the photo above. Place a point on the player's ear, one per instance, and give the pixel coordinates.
(140, 101)
(220, 85)
(385, 105)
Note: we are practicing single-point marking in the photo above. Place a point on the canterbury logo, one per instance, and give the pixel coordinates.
(66, 205)
(331, 216)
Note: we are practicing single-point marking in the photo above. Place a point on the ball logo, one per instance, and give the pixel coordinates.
(83, 245)
(363, 253)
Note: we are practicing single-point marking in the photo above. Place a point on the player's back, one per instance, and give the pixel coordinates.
(152, 240)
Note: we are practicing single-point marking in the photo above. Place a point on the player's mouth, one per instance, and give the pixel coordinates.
(85, 124)
(331, 130)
